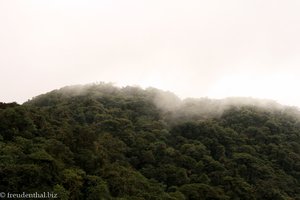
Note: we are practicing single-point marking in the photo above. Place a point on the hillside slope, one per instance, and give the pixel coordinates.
(103, 142)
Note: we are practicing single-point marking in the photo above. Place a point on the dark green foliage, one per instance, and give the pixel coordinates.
(102, 142)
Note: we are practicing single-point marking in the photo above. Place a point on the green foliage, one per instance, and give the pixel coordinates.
(61, 192)
(102, 142)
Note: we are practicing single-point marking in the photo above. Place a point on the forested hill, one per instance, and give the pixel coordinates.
(102, 142)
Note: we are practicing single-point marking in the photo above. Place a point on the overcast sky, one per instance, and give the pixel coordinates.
(200, 48)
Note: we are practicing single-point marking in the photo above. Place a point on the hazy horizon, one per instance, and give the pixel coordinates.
(213, 49)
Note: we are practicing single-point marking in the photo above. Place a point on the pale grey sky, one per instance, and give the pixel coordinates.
(198, 48)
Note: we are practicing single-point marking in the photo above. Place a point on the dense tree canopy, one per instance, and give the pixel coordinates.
(103, 142)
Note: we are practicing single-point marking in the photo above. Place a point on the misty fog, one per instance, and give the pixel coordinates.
(215, 49)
